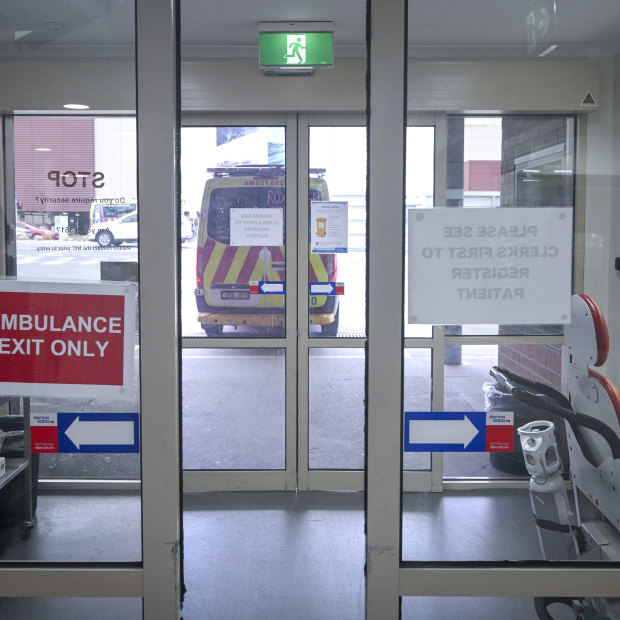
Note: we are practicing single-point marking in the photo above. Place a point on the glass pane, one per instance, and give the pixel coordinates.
(469, 386)
(510, 608)
(511, 161)
(534, 159)
(420, 192)
(59, 608)
(336, 408)
(233, 409)
(447, 526)
(70, 303)
(233, 195)
(89, 165)
(337, 234)
(417, 393)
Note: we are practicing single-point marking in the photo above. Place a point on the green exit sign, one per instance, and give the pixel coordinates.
(296, 49)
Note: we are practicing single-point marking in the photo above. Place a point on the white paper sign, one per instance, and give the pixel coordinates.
(498, 266)
(329, 227)
(256, 227)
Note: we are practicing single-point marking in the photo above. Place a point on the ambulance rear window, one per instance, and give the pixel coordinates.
(223, 199)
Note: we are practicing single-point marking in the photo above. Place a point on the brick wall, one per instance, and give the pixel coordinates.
(482, 175)
(540, 363)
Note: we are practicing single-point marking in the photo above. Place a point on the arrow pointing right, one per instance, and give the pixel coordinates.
(321, 288)
(458, 432)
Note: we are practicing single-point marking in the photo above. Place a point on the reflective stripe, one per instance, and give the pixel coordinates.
(213, 253)
(223, 267)
(317, 269)
(236, 264)
(245, 273)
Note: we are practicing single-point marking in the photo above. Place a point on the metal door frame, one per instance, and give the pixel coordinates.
(263, 479)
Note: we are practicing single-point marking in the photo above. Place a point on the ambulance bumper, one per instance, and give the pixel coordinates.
(258, 320)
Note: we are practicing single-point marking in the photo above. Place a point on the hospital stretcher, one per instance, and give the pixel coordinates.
(586, 526)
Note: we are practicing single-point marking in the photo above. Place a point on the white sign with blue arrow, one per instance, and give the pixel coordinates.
(326, 288)
(98, 432)
(266, 287)
(471, 431)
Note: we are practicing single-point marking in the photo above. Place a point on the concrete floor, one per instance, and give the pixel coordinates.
(274, 555)
(280, 556)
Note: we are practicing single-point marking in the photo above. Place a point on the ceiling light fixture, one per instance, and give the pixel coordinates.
(76, 106)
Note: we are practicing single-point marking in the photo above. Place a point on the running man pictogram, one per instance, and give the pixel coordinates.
(295, 45)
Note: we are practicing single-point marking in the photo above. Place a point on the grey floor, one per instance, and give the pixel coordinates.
(286, 556)
(277, 555)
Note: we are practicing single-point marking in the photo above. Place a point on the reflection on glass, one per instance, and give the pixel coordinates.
(417, 390)
(511, 161)
(456, 526)
(74, 607)
(233, 409)
(336, 407)
(337, 232)
(74, 178)
(234, 282)
(510, 608)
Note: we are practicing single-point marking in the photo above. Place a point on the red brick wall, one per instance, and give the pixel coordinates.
(482, 175)
(540, 363)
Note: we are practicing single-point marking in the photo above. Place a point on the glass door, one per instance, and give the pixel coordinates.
(238, 265)
(331, 358)
(273, 362)
(273, 309)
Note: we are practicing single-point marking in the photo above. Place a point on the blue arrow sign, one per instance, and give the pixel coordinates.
(445, 431)
(322, 288)
(326, 288)
(98, 432)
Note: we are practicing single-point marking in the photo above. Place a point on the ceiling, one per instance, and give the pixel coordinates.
(437, 28)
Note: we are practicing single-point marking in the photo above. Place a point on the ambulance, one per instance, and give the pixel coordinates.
(240, 264)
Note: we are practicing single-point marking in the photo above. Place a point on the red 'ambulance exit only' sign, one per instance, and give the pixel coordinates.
(62, 339)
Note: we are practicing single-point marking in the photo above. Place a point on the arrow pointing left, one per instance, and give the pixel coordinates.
(98, 432)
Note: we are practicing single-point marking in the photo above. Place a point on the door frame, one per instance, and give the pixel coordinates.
(259, 479)
(297, 474)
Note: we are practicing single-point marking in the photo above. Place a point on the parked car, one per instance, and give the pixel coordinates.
(115, 232)
(125, 230)
(21, 232)
(39, 233)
